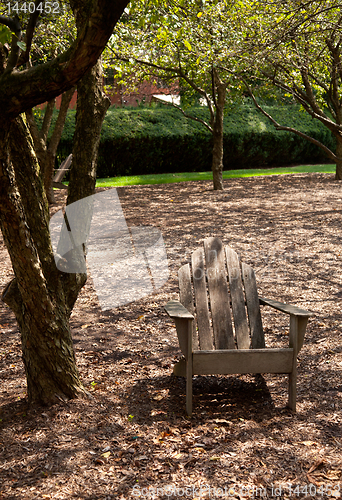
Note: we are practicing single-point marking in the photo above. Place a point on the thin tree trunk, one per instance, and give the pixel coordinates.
(53, 143)
(46, 149)
(92, 105)
(217, 161)
(338, 175)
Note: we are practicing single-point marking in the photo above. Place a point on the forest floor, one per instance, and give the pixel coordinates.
(133, 439)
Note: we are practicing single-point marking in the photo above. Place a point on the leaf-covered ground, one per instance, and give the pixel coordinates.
(133, 440)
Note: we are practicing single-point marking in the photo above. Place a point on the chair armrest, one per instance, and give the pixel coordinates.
(177, 311)
(183, 320)
(298, 321)
(286, 308)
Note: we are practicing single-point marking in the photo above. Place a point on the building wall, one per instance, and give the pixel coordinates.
(121, 96)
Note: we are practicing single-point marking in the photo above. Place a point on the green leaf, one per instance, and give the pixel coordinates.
(187, 45)
(5, 35)
(22, 45)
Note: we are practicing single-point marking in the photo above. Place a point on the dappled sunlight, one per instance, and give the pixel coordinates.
(134, 430)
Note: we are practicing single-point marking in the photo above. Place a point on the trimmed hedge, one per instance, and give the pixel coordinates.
(160, 139)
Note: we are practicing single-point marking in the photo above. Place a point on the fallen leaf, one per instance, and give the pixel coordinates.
(315, 466)
(164, 434)
(106, 455)
(312, 480)
(333, 475)
(126, 472)
(157, 412)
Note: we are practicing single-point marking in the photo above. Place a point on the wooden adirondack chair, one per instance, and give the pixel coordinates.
(211, 344)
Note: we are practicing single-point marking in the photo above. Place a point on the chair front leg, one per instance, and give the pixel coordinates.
(189, 372)
(189, 386)
(294, 327)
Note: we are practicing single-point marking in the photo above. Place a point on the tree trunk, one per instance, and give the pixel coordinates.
(217, 161)
(47, 347)
(40, 296)
(338, 175)
(92, 105)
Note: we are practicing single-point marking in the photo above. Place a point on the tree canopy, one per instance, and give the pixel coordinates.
(184, 42)
(296, 47)
(287, 49)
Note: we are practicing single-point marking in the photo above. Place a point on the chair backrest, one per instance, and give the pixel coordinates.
(215, 289)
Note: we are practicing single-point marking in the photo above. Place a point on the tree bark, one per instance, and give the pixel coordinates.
(92, 105)
(338, 175)
(217, 161)
(40, 296)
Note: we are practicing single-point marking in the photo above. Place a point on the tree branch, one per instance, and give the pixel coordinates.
(180, 73)
(277, 126)
(14, 25)
(48, 114)
(11, 22)
(58, 129)
(25, 89)
(303, 99)
(31, 26)
(185, 114)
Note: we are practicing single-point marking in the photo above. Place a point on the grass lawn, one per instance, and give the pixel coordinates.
(204, 176)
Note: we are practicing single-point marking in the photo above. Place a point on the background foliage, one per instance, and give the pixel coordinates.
(158, 139)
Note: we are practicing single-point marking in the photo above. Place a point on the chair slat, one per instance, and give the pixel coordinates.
(253, 307)
(218, 294)
(225, 362)
(186, 297)
(238, 300)
(205, 337)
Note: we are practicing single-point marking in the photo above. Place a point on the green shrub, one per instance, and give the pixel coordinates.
(159, 139)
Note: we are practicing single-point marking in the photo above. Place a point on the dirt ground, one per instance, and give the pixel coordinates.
(133, 440)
